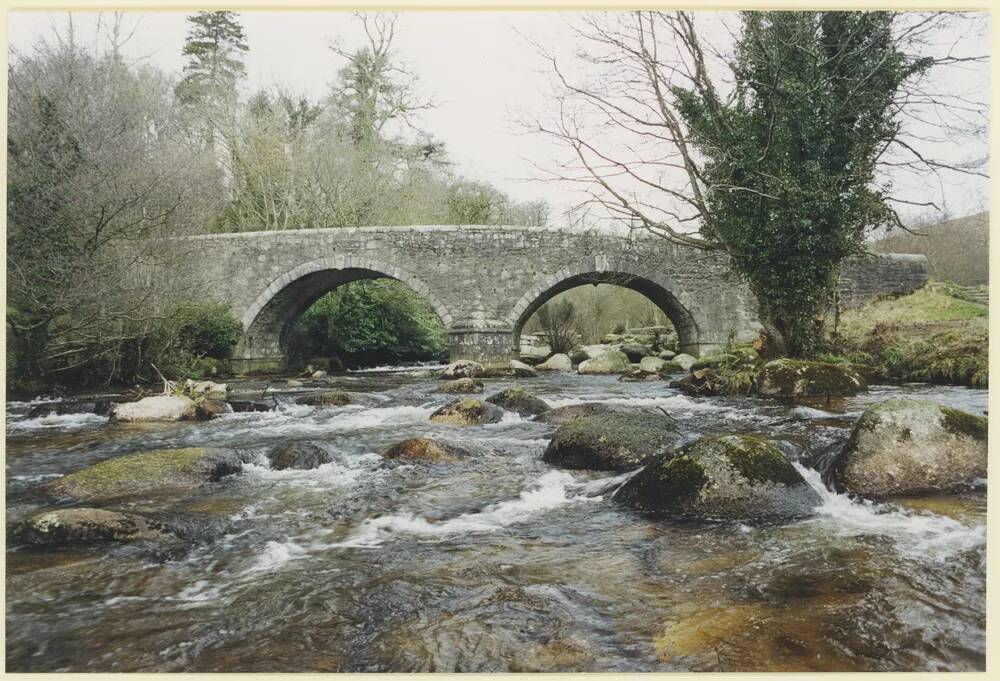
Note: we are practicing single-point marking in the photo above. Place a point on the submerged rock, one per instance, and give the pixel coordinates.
(155, 472)
(425, 449)
(912, 447)
(610, 362)
(557, 362)
(798, 378)
(520, 401)
(464, 368)
(329, 398)
(735, 477)
(638, 375)
(242, 406)
(467, 412)
(461, 385)
(158, 408)
(86, 526)
(297, 455)
(611, 442)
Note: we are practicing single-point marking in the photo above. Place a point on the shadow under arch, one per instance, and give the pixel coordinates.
(267, 321)
(679, 316)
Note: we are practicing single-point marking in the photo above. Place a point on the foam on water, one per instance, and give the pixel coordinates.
(302, 420)
(56, 422)
(341, 473)
(917, 535)
(552, 490)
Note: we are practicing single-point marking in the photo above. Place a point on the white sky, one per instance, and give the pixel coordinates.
(476, 65)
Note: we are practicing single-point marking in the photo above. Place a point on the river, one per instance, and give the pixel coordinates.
(497, 563)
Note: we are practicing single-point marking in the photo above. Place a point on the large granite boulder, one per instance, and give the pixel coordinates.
(798, 378)
(734, 477)
(461, 385)
(557, 362)
(912, 447)
(86, 526)
(520, 401)
(611, 442)
(610, 362)
(158, 408)
(463, 368)
(162, 471)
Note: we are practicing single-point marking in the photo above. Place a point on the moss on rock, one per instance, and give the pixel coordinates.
(730, 477)
(611, 442)
(467, 411)
(520, 401)
(461, 385)
(910, 448)
(425, 449)
(156, 472)
(799, 378)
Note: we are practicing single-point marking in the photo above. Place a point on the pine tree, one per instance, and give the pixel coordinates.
(214, 48)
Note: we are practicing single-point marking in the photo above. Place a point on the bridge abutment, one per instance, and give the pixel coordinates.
(491, 348)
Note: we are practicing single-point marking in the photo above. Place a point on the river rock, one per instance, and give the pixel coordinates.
(463, 368)
(467, 412)
(561, 415)
(684, 360)
(652, 365)
(709, 362)
(735, 477)
(521, 370)
(912, 447)
(318, 374)
(635, 351)
(610, 362)
(86, 526)
(557, 362)
(461, 385)
(207, 410)
(162, 471)
(594, 351)
(158, 408)
(670, 368)
(206, 389)
(797, 378)
(242, 406)
(577, 356)
(611, 442)
(637, 375)
(329, 398)
(297, 455)
(425, 449)
(520, 401)
(667, 354)
(701, 383)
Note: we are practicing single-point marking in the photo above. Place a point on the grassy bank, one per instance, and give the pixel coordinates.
(930, 335)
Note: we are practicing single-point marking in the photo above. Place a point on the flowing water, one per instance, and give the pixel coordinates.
(499, 562)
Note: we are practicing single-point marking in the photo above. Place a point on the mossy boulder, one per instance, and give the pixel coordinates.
(463, 368)
(461, 385)
(467, 412)
(425, 449)
(162, 471)
(611, 442)
(652, 365)
(86, 526)
(298, 456)
(710, 362)
(158, 408)
(571, 412)
(799, 378)
(734, 477)
(328, 398)
(670, 367)
(609, 362)
(520, 401)
(910, 448)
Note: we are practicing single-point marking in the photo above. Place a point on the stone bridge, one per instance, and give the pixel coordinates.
(486, 282)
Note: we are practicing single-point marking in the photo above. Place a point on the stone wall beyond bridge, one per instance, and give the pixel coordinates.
(486, 282)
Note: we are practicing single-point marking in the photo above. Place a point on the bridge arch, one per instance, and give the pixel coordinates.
(268, 318)
(660, 293)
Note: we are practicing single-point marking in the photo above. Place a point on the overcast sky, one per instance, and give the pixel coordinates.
(476, 65)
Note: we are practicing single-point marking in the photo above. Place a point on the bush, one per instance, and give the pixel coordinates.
(208, 330)
(558, 322)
